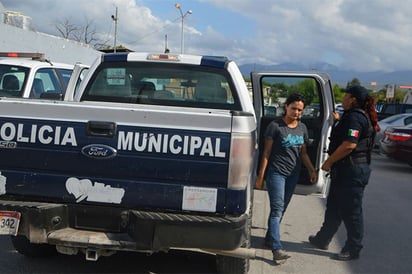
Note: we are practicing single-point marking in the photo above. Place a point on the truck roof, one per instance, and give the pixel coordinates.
(32, 63)
(207, 60)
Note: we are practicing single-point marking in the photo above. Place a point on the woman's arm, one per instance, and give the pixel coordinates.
(267, 149)
(313, 174)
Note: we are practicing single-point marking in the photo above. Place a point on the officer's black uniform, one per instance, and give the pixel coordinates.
(349, 177)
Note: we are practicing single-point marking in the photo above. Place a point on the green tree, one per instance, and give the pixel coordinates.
(354, 82)
(308, 89)
(381, 95)
(337, 93)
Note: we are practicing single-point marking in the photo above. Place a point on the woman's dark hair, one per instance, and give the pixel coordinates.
(369, 108)
(295, 97)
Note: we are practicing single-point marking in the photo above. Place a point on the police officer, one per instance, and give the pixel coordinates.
(351, 143)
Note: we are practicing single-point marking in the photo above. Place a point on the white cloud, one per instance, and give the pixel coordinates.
(359, 35)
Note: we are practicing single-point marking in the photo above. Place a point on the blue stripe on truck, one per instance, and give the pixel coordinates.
(115, 57)
(155, 162)
(214, 61)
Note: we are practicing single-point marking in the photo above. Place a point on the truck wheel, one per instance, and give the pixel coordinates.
(226, 264)
(23, 246)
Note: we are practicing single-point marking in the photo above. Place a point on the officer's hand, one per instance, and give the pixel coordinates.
(326, 166)
(335, 115)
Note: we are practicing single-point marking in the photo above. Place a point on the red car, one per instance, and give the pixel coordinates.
(397, 143)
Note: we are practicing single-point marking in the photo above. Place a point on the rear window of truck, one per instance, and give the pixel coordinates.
(162, 84)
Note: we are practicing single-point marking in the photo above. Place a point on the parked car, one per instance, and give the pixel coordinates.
(402, 119)
(30, 75)
(389, 109)
(397, 143)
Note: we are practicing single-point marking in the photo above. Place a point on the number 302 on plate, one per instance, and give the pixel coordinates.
(9, 222)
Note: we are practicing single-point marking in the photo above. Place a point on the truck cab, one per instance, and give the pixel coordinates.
(30, 75)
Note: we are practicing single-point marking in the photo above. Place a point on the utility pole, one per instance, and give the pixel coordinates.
(114, 17)
(166, 48)
(182, 15)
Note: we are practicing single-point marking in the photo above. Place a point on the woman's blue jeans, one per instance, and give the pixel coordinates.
(280, 189)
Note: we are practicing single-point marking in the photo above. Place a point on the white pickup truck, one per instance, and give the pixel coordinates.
(31, 75)
(154, 152)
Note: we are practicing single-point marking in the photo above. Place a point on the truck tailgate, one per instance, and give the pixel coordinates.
(76, 153)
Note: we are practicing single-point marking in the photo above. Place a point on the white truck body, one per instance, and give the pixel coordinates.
(120, 165)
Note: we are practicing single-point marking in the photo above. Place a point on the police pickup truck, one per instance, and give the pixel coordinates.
(154, 152)
(30, 75)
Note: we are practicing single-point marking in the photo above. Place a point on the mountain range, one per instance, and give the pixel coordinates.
(338, 76)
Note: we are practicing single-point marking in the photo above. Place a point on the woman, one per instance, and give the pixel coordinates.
(284, 151)
(350, 147)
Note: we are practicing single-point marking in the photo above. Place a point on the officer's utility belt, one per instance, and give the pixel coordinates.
(353, 160)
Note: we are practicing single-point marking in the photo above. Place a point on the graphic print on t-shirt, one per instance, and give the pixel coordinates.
(292, 140)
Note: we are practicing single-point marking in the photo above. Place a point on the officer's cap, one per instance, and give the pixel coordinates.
(360, 93)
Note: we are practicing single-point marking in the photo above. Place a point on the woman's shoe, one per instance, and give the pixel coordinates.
(279, 255)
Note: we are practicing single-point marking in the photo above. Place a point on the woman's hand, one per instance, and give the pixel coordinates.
(259, 183)
(314, 176)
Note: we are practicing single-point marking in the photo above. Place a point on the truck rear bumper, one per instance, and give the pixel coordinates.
(120, 229)
(159, 230)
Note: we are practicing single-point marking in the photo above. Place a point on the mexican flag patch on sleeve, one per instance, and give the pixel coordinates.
(353, 133)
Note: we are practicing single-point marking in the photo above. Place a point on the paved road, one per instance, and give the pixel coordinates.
(387, 207)
(387, 241)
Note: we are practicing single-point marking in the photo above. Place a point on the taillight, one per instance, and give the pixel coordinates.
(398, 136)
(241, 160)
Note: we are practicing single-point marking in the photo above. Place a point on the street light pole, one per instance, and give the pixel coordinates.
(182, 15)
(114, 17)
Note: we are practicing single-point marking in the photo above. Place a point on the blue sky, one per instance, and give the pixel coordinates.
(203, 14)
(368, 35)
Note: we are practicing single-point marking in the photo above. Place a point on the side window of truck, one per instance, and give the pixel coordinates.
(12, 80)
(275, 90)
(46, 84)
(160, 84)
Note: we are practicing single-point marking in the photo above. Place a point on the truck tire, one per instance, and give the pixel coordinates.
(226, 264)
(24, 247)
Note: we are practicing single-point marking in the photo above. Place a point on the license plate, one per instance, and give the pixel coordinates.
(9, 222)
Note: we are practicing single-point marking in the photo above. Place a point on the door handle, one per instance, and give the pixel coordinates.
(101, 129)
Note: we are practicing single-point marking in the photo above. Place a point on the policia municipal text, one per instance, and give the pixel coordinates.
(351, 143)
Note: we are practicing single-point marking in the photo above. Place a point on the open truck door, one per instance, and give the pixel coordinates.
(78, 74)
(270, 90)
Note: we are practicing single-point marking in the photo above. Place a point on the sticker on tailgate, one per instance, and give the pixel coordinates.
(199, 199)
(9, 222)
(3, 181)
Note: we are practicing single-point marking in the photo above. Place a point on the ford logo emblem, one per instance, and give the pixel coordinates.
(98, 151)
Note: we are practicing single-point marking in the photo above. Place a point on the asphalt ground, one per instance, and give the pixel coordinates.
(387, 236)
(303, 218)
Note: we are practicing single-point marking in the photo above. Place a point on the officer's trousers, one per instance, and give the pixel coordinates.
(344, 203)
